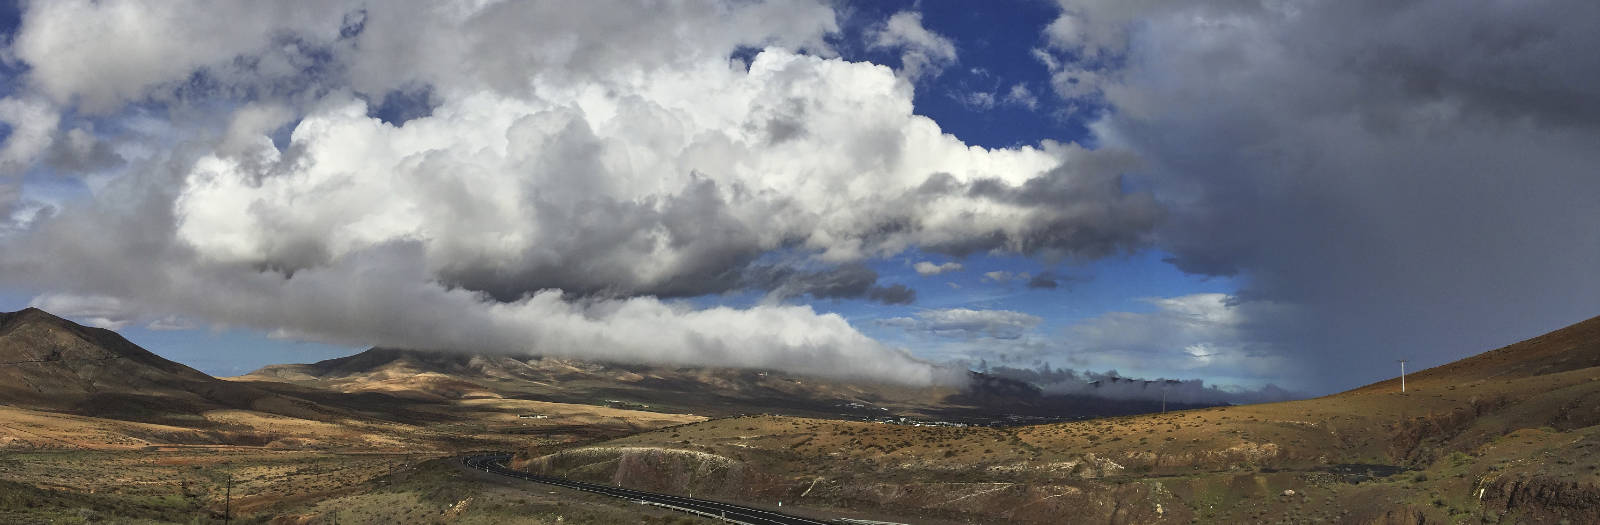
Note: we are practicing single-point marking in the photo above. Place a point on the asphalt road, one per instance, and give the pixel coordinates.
(495, 464)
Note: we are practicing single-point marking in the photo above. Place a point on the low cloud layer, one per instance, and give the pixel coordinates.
(543, 178)
(962, 323)
(1208, 335)
(1112, 385)
(93, 310)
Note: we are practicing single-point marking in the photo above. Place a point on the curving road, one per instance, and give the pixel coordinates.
(495, 464)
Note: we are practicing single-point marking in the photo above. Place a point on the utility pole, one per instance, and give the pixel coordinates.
(1402, 375)
(227, 502)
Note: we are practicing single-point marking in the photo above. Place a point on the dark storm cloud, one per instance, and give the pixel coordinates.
(1416, 178)
(10, 195)
(597, 242)
(78, 151)
(1071, 214)
(892, 294)
(850, 281)
(1509, 61)
(1045, 280)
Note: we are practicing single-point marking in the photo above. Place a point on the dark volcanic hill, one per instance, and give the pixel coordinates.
(51, 363)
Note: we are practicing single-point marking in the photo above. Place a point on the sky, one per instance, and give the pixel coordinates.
(1240, 193)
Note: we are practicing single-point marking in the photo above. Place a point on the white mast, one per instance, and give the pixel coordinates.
(1402, 375)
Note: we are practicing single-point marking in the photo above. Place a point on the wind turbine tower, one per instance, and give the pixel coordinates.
(1402, 375)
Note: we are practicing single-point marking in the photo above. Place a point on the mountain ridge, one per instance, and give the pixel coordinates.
(108, 340)
(713, 391)
(56, 364)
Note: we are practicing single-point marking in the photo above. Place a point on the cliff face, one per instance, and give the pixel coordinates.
(1546, 499)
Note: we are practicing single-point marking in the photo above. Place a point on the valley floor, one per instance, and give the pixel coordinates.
(1469, 454)
(1488, 450)
(189, 485)
(1508, 436)
(262, 467)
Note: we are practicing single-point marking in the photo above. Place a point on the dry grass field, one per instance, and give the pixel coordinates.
(188, 485)
(64, 468)
(1506, 436)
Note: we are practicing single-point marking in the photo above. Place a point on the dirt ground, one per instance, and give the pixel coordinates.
(1508, 436)
(64, 468)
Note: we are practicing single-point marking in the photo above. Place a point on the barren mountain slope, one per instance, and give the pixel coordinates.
(66, 385)
(56, 364)
(1575, 347)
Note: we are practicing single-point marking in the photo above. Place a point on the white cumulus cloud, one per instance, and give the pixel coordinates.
(567, 171)
(926, 268)
(923, 52)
